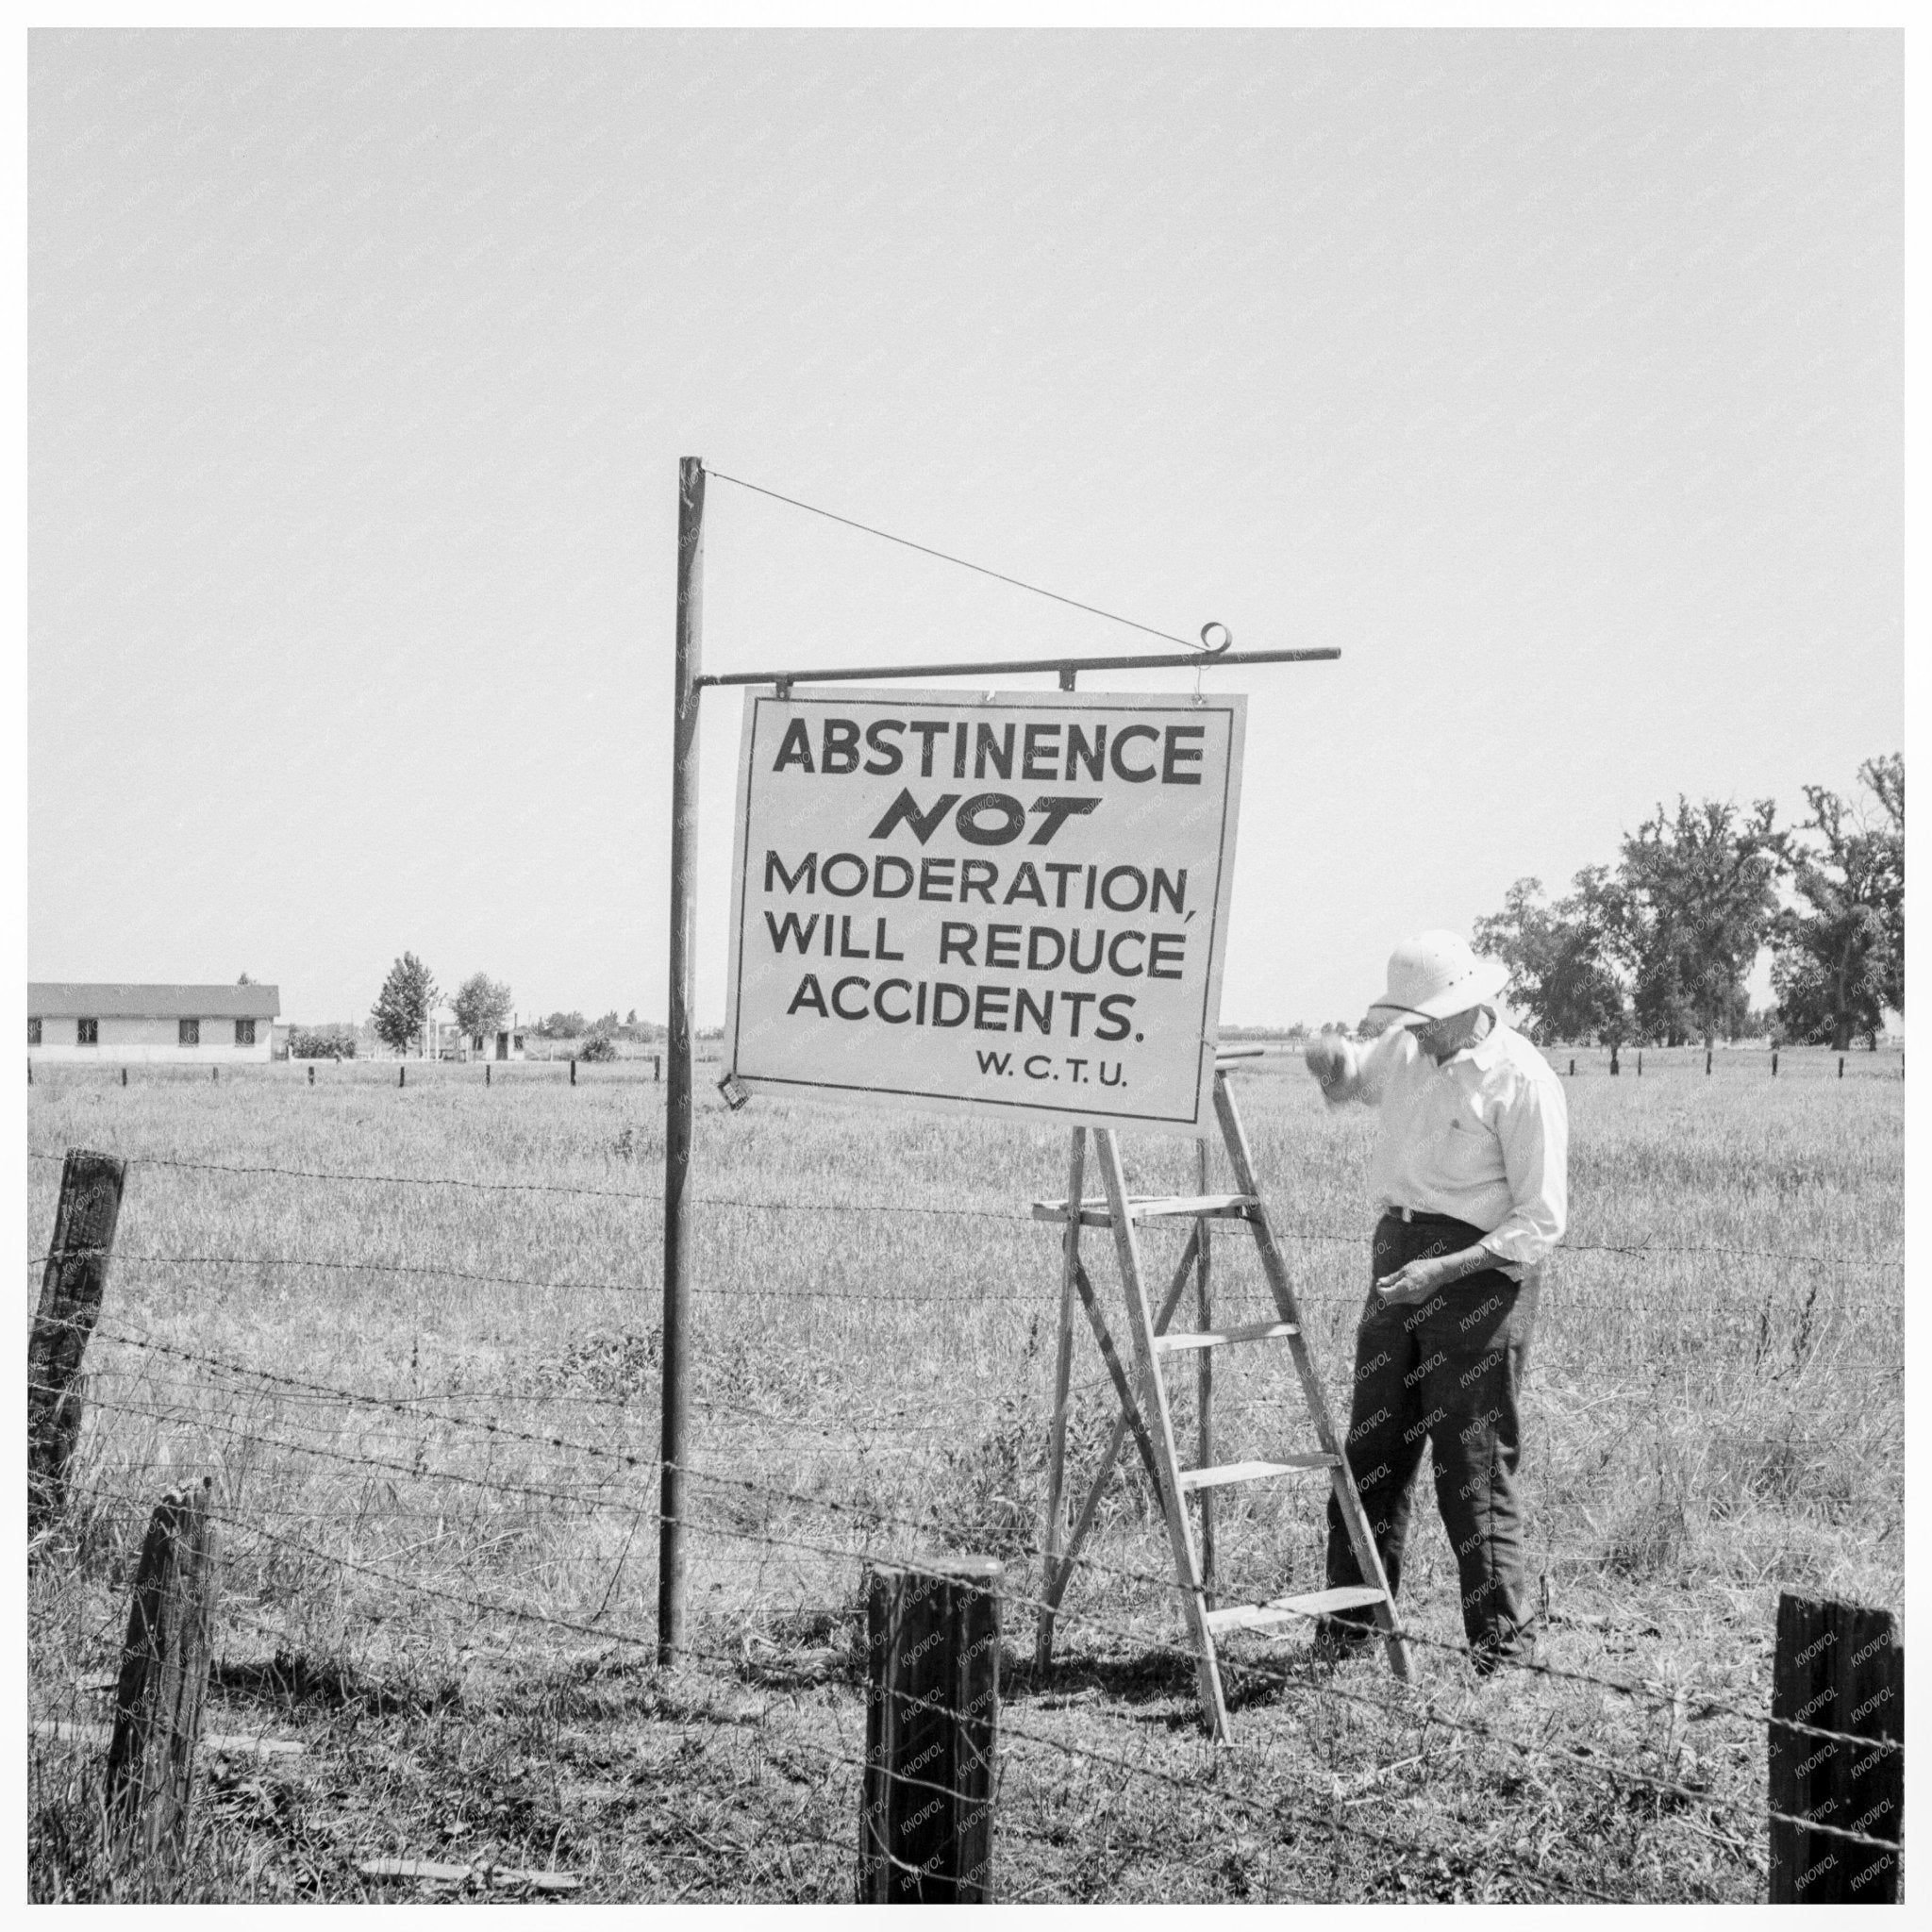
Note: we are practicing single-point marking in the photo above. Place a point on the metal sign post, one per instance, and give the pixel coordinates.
(678, 1083)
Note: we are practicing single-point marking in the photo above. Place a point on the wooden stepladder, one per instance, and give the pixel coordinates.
(1144, 1413)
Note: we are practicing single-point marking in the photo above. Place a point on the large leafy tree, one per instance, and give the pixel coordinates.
(482, 1004)
(1561, 957)
(1841, 949)
(403, 1003)
(1699, 902)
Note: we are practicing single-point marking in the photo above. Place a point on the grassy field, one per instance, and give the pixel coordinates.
(429, 1412)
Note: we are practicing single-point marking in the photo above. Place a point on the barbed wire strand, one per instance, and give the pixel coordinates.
(914, 1567)
(1625, 1250)
(1660, 1698)
(1008, 1729)
(1308, 1686)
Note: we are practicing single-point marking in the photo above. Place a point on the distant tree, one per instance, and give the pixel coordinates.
(244, 980)
(481, 1005)
(322, 1044)
(630, 1019)
(1802, 1005)
(1841, 951)
(403, 1003)
(564, 1026)
(608, 1022)
(1561, 957)
(1697, 904)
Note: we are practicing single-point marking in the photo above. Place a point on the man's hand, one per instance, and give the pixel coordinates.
(1429, 1273)
(1417, 1282)
(1327, 1059)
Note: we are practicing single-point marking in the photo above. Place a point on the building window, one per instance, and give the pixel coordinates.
(87, 1033)
(245, 1032)
(191, 1033)
(33, 1033)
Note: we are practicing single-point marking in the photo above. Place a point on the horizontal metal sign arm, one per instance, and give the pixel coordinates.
(1166, 661)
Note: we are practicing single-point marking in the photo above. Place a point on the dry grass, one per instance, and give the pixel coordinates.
(1703, 1428)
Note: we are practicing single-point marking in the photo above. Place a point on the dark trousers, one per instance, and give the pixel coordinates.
(1445, 1372)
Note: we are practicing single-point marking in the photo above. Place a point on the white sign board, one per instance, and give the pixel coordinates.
(1014, 903)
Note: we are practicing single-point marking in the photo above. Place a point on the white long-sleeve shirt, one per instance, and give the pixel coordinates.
(1484, 1137)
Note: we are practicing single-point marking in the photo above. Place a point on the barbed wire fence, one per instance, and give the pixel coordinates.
(556, 1063)
(403, 1509)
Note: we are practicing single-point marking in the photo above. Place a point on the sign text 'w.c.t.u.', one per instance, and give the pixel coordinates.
(1015, 903)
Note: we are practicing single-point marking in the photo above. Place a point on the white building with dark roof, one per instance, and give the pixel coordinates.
(122, 1021)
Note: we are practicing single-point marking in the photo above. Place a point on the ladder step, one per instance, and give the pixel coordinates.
(1256, 1331)
(1093, 1210)
(1288, 1609)
(1217, 1474)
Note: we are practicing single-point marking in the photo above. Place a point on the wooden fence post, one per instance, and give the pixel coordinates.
(1839, 1667)
(1640, 1064)
(72, 1285)
(1773, 1063)
(1840, 1063)
(573, 1069)
(312, 1073)
(1573, 1063)
(1614, 1068)
(1707, 1063)
(402, 1077)
(124, 1076)
(163, 1677)
(931, 1733)
(486, 1072)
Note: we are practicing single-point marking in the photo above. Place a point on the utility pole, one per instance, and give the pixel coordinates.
(677, 1055)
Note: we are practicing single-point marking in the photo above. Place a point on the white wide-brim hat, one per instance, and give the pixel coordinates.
(1434, 974)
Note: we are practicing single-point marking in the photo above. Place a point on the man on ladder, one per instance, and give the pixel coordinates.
(1469, 1172)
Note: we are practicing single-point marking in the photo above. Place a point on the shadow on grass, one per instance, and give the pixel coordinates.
(1168, 1676)
(291, 1683)
(1130, 1678)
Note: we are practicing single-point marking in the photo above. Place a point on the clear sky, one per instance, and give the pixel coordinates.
(1556, 378)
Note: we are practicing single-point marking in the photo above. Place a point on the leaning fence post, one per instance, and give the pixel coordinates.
(72, 1285)
(1839, 1667)
(931, 1732)
(163, 1677)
